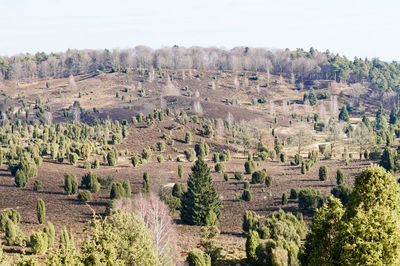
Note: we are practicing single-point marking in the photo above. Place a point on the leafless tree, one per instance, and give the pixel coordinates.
(363, 137)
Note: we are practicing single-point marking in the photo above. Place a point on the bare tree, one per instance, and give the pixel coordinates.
(302, 137)
(363, 137)
(157, 219)
(48, 116)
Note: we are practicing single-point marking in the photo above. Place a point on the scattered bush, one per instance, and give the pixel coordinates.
(49, 230)
(226, 177)
(37, 185)
(190, 154)
(310, 199)
(239, 176)
(20, 179)
(342, 192)
(323, 173)
(219, 168)
(284, 199)
(251, 221)
(246, 196)
(84, 196)
(339, 177)
(258, 177)
(249, 167)
(246, 185)
(268, 181)
(252, 242)
(41, 210)
(39, 242)
(160, 158)
(70, 183)
(180, 171)
(294, 193)
(197, 258)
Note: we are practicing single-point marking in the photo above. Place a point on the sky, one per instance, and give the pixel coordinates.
(352, 27)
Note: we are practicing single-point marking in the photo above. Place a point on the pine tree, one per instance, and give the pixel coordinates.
(381, 122)
(344, 114)
(200, 204)
(393, 116)
(387, 159)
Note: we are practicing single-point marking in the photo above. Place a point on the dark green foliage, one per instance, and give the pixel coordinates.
(112, 158)
(268, 181)
(387, 159)
(246, 196)
(344, 114)
(70, 183)
(160, 158)
(84, 196)
(393, 116)
(298, 159)
(37, 185)
(294, 193)
(89, 181)
(135, 160)
(180, 171)
(20, 178)
(258, 177)
(339, 177)
(39, 242)
(10, 232)
(127, 187)
(200, 204)
(226, 177)
(342, 192)
(146, 183)
(73, 158)
(117, 191)
(252, 242)
(197, 258)
(216, 157)
(251, 221)
(190, 154)
(178, 190)
(323, 173)
(201, 149)
(381, 122)
(309, 199)
(284, 199)
(239, 176)
(246, 185)
(188, 137)
(283, 157)
(210, 244)
(40, 210)
(312, 98)
(50, 231)
(219, 168)
(249, 167)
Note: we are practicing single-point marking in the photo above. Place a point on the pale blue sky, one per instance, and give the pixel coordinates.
(353, 28)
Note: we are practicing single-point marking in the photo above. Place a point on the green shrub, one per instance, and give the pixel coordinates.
(41, 210)
(127, 188)
(246, 185)
(246, 196)
(180, 171)
(89, 181)
(249, 167)
(70, 183)
(239, 176)
(216, 157)
(298, 159)
(188, 137)
(20, 179)
(197, 258)
(190, 154)
(258, 177)
(73, 158)
(283, 157)
(112, 158)
(146, 183)
(309, 199)
(294, 193)
(135, 160)
(117, 191)
(219, 168)
(339, 177)
(49, 230)
(37, 185)
(251, 221)
(284, 199)
(252, 242)
(342, 192)
(39, 242)
(10, 232)
(323, 173)
(268, 181)
(84, 196)
(226, 177)
(160, 158)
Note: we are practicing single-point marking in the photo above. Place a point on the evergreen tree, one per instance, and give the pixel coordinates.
(146, 183)
(324, 228)
(370, 229)
(339, 177)
(381, 122)
(200, 204)
(387, 159)
(344, 114)
(41, 210)
(393, 116)
(312, 97)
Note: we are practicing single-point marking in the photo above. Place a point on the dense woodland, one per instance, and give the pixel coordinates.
(299, 65)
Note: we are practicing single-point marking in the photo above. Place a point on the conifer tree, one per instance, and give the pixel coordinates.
(381, 122)
(200, 204)
(393, 116)
(344, 114)
(387, 159)
(41, 210)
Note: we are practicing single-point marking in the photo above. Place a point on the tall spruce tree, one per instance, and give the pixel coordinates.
(200, 204)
